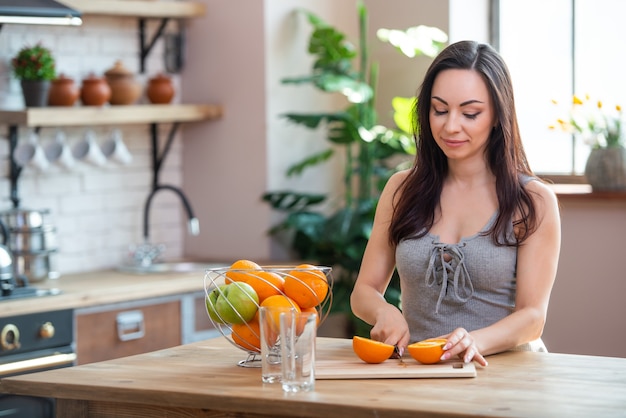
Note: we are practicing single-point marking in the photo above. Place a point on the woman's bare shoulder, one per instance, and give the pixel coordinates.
(397, 179)
(540, 188)
(393, 185)
(543, 194)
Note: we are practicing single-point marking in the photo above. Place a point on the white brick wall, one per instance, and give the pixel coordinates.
(98, 212)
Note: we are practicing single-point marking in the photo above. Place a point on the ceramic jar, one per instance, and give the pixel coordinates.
(63, 92)
(95, 91)
(124, 89)
(160, 89)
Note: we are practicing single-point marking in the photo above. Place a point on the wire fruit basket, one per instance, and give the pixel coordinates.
(234, 295)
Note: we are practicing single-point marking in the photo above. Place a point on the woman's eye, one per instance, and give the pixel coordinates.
(439, 112)
(472, 116)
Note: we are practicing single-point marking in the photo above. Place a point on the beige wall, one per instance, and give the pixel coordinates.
(587, 309)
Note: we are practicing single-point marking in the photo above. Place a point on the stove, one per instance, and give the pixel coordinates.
(10, 289)
(31, 343)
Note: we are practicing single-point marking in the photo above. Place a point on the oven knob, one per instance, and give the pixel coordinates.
(46, 330)
(10, 337)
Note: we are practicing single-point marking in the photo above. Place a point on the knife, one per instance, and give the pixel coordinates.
(396, 354)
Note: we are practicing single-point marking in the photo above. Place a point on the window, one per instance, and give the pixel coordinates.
(555, 49)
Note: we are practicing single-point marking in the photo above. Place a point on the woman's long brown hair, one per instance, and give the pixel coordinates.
(417, 199)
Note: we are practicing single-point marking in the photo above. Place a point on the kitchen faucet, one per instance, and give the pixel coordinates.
(146, 253)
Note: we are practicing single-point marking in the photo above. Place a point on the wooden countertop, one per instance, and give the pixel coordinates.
(203, 379)
(104, 287)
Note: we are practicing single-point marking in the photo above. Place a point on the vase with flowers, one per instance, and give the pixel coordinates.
(34, 66)
(600, 127)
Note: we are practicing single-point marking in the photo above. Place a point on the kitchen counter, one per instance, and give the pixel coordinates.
(203, 379)
(104, 287)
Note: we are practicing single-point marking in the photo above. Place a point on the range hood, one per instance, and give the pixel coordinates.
(38, 12)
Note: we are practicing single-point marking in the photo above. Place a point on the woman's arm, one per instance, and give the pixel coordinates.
(367, 299)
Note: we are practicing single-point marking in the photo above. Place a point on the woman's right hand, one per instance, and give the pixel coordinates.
(391, 328)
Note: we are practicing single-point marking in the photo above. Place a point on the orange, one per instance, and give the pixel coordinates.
(307, 285)
(427, 351)
(266, 284)
(281, 301)
(371, 351)
(313, 309)
(248, 335)
(238, 271)
(278, 301)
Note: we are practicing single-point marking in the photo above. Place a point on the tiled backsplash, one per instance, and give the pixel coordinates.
(98, 212)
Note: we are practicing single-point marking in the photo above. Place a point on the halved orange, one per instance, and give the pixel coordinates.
(371, 351)
(427, 351)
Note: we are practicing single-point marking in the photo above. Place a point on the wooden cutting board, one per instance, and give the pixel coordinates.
(390, 369)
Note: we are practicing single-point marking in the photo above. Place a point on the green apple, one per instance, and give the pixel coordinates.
(211, 301)
(236, 303)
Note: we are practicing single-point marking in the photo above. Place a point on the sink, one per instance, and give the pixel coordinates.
(172, 267)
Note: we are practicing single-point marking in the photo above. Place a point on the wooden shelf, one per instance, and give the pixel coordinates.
(109, 115)
(138, 8)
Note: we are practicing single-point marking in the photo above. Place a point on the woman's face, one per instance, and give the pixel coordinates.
(461, 114)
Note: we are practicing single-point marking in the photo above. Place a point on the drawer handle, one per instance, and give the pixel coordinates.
(130, 325)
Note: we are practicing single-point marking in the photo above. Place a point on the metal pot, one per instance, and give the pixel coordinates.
(6, 258)
(33, 240)
(24, 219)
(36, 267)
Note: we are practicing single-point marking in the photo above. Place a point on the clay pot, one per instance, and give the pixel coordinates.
(124, 89)
(95, 91)
(160, 89)
(63, 92)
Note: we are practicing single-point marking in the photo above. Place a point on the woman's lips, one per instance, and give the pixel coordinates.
(453, 143)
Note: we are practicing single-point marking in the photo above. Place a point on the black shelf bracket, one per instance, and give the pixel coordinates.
(144, 46)
(14, 169)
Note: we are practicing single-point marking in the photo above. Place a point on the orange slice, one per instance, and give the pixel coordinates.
(371, 351)
(427, 351)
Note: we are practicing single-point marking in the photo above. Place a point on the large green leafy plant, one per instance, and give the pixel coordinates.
(337, 237)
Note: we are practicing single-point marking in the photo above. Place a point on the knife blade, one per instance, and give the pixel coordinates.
(396, 354)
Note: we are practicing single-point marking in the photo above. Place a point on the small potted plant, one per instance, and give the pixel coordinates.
(34, 66)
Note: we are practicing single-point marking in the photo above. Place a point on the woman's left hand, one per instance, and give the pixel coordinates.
(461, 343)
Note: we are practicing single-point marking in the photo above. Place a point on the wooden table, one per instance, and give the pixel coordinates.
(203, 380)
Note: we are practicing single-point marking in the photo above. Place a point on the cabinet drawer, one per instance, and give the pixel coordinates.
(126, 331)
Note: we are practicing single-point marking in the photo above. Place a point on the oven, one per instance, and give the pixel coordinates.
(32, 343)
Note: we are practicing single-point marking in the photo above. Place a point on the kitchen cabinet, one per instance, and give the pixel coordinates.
(109, 332)
(118, 330)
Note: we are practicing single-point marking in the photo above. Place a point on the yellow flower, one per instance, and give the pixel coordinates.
(590, 121)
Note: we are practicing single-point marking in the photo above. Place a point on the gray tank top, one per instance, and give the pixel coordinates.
(469, 284)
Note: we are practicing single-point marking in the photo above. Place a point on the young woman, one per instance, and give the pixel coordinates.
(474, 235)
